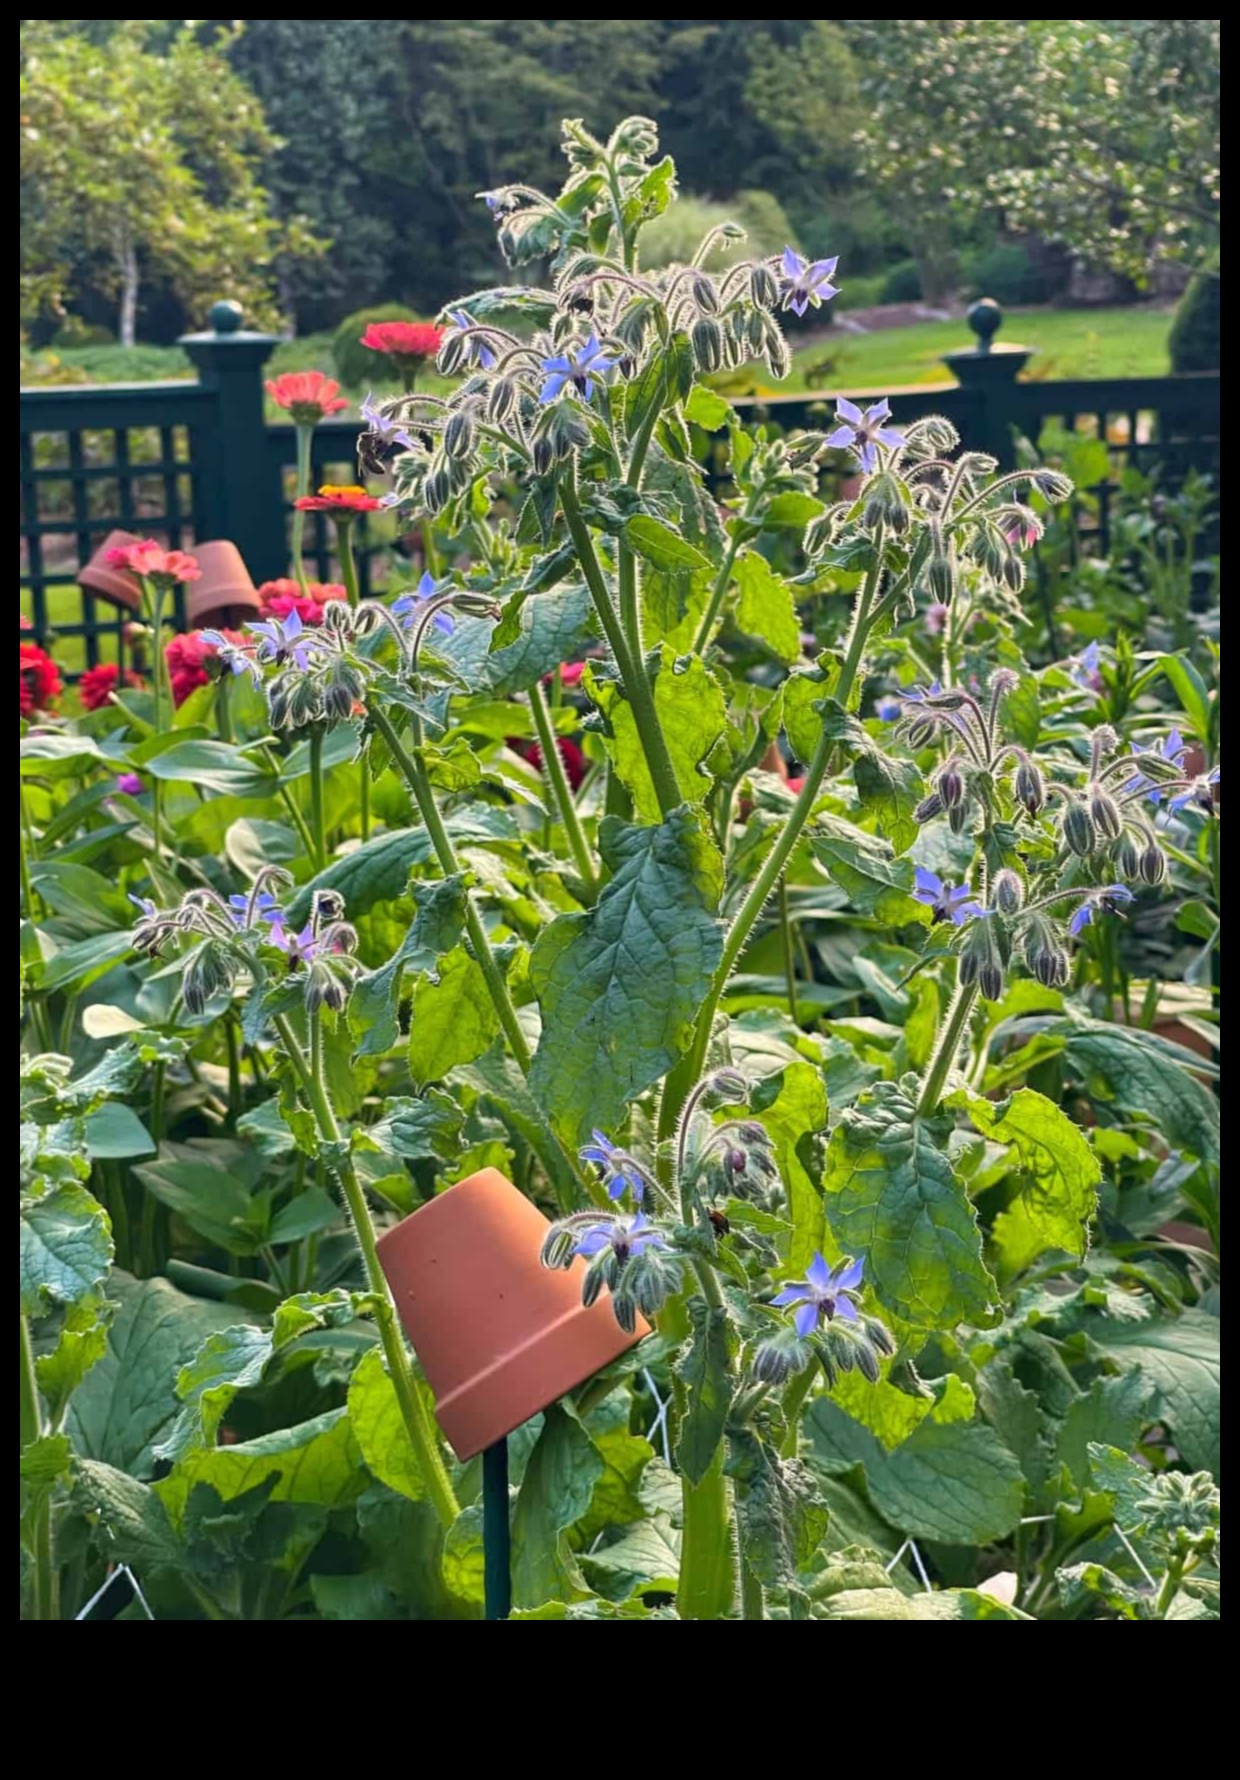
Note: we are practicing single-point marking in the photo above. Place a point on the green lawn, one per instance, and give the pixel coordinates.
(1129, 342)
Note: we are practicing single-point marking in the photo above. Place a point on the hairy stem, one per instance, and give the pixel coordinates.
(348, 572)
(945, 1051)
(553, 766)
(412, 1409)
(46, 1582)
(305, 435)
(718, 593)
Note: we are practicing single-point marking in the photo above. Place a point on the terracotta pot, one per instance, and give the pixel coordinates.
(224, 594)
(100, 578)
(1182, 1035)
(498, 1334)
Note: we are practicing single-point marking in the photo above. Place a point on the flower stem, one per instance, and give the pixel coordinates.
(412, 1409)
(154, 594)
(753, 1601)
(687, 1071)
(423, 796)
(795, 1392)
(305, 435)
(553, 765)
(945, 1051)
(46, 1582)
(348, 570)
(637, 686)
(150, 1205)
(717, 595)
(790, 960)
(707, 1586)
(318, 830)
(290, 804)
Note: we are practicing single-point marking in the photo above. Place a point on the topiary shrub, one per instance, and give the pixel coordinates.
(902, 283)
(1006, 273)
(74, 332)
(1195, 342)
(357, 366)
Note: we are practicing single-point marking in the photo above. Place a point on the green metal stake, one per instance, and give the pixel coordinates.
(496, 1542)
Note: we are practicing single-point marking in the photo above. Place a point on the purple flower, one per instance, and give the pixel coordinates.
(625, 1236)
(265, 909)
(1083, 668)
(234, 659)
(947, 902)
(1199, 794)
(620, 1172)
(936, 618)
(284, 640)
(498, 203)
(888, 708)
(411, 606)
(144, 905)
(917, 695)
(130, 784)
(1172, 749)
(382, 427)
(580, 366)
(1099, 902)
(298, 948)
(862, 433)
(1023, 532)
(807, 283)
(477, 352)
(825, 1292)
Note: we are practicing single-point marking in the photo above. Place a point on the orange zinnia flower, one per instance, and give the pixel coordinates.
(404, 339)
(308, 396)
(154, 563)
(333, 498)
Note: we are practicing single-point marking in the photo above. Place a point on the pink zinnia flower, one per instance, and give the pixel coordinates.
(936, 618)
(188, 657)
(97, 684)
(281, 597)
(404, 339)
(308, 396)
(154, 563)
(39, 682)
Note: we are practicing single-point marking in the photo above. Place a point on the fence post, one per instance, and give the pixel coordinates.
(238, 477)
(988, 372)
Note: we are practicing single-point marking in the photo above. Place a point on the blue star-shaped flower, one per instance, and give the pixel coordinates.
(863, 433)
(947, 902)
(806, 283)
(1098, 902)
(824, 1293)
(410, 607)
(581, 366)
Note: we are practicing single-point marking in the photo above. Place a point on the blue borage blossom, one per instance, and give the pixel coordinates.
(265, 908)
(144, 905)
(888, 708)
(298, 948)
(807, 283)
(917, 695)
(1173, 749)
(620, 1172)
(581, 366)
(477, 352)
(947, 902)
(824, 1293)
(383, 427)
(625, 1236)
(1084, 668)
(411, 606)
(864, 433)
(1099, 902)
(1200, 793)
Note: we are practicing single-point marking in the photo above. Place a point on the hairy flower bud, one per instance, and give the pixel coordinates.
(941, 575)
(706, 338)
(1030, 787)
(544, 456)
(1105, 813)
(209, 971)
(958, 817)
(1008, 892)
(928, 808)
(1153, 864)
(1127, 857)
(990, 979)
(452, 354)
(1044, 954)
(1052, 485)
(921, 732)
(775, 1359)
(501, 399)
(1078, 830)
(704, 293)
(885, 504)
(763, 286)
(458, 433)
(950, 786)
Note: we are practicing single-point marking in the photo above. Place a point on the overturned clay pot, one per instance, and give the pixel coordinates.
(224, 595)
(100, 577)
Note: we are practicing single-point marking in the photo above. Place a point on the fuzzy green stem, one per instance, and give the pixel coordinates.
(717, 595)
(223, 707)
(707, 1586)
(637, 686)
(150, 1205)
(45, 1591)
(290, 803)
(348, 572)
(415, 777)
(412, 1409)
(790, 957)
(1170, 1585)
(305, 436)
(753, 1601)
(553, 766)
(687, 1072)
(318, 829)
(154, 596)
(945, 1051)
(795, 1392)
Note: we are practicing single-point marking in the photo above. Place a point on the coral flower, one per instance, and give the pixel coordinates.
(154, 563)
(308, 396)
(343, 501)
(279, 598)
(39, 685)
(98, 684)
(404, 339)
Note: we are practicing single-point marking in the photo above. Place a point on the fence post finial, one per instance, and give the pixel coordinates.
(988, 371)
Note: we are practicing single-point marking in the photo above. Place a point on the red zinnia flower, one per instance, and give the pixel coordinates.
(308, 396)
(279, 598)
(340, 500)
(404, 339)
(575, 762)
(97, 684)
(154, 563)
(39, 682)
(187, 656)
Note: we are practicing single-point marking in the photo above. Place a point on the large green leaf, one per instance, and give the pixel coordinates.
(1111, 1413)
(660, 546)
(893, 1196)
(693, 715)
(434, 930)
(228, 1361)
(555, 1492)
(888, 1603)
(378, 870)
(1179, 1359)
(766, 606)
(65, 1248)
(619, 985)
(452, 1020)
(380, 1427)
(782, 1516)
(890, 790)
(211, 1201)
(127, 1404)
(81, 1344)
(317, 1461)
(1058, 1175)
(213, 766)
(552, 627)
(1140, 1073)
(866, 868)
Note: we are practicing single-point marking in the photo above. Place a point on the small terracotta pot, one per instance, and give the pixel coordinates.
(99, 577)
(498, 1334)
(224, 593)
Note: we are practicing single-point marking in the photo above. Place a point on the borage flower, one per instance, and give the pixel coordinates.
(308, 396)
(282, 641)
(625, 1237)
(581, 366)
(1173, 749)
(1083, 668)
(888, 708)
(411, 606)
(265, 908)
(1102, 901)
(403, 339)
(824, 1293)
(97, 684)
(477, 352)
(154, 563)
(39, 684)
(864, 433)
(383, 428)
(946, 902)
(1199, 794)
(621, 1173)
(342, 500)
(298, 948)
(806, 283)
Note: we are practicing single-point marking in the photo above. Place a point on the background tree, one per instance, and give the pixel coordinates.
(139, 157)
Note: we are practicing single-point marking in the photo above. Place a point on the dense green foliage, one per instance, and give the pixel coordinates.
(1196, 342)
